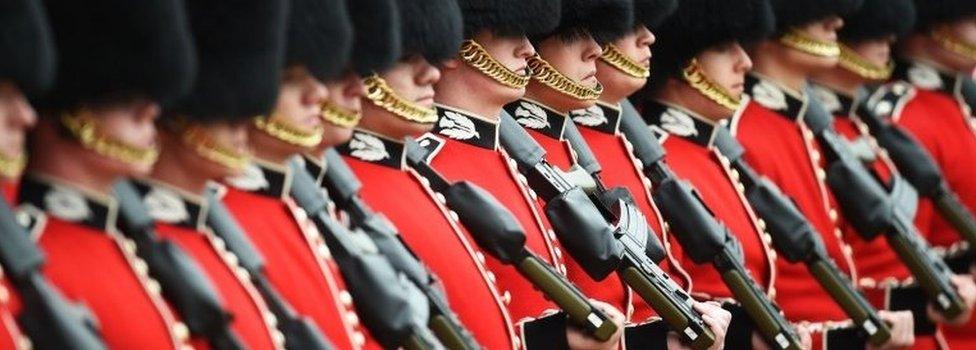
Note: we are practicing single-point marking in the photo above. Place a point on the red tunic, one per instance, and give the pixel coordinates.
(10, 332)
(438, 239)
(181, 218)
(599, 127)
(780, 146)
(687, 139)
(298, 263)
(93, 264)
(935, 113)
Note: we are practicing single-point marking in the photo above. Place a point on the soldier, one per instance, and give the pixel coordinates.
(492, 66)
(298, 264)
(399, 104)
(780, 144)
(119, 62)
(207, 132)
(931, 96)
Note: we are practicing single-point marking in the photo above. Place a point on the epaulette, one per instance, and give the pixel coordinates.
(432, 145)
(888, 100)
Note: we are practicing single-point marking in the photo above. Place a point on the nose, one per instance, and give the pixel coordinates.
(744, 61)
(645, 37)
(316, 92)
(525, 49)
(836, 23)
(22, 113)
(148, 111)
(428, 74)
(592, 51)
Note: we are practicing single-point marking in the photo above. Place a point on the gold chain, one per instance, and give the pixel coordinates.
(615, 58)
(11, 167)
(798, 40)
(951, 43)
(200, 141)
(288, 133)
(84, 128)
(476, 56)
(339, 116)
(546, 74)
(851, 61)
(695, 77)
(383, 96)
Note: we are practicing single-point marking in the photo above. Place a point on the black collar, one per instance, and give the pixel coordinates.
(666, 119)
(170, 205)
(784, 101)
(536, 116)
(467, 127)
(69, 203)
(928, 77)
(314, 165)
(836, 102)
(375, 148)
(264, 178)
(601, 117)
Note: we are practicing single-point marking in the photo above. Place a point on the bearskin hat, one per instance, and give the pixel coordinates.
(26, 47)
(792, 13)
(510, 17)
(113, 49)
(319, 37)
(432, 28)
(932, 12)
(605, 20)
(652, 13)
(241, 48)
(878, 19)
(376, 37)
(699, 24)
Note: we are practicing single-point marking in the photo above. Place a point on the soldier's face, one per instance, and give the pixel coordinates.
(131, 123)
(512, 52)
(576, 59)
(16, 117)
(637, 47)
(300, 100)
(965, 31)
(823, 30)
(875, 51)
(726, 65)
(413, 79)
(345, 93)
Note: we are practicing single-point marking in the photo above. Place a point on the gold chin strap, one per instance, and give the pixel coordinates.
(84, 128)
(855, 63)
(800, 41)
(952, 43)
(11, 167)
(620, 61)
(288, 133)
(546, 74)
(339, 116)
(476, 56)
(695, 77)
(382, 95)
(198, 139)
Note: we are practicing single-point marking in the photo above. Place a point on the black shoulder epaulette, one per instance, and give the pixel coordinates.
(431, 144)
(888, 100)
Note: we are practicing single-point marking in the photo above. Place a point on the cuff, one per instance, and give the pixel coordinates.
(547, 332)
(649, 336)
(912, 298)
(844, 338)
(739, 334)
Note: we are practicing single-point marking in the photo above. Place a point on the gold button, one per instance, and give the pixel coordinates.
(735, 174)
(323, 250)
(24, 343)
(271, 319)
(440, 198)
(559, 253)
(480, 257)
(129, 246)
(491, 276)
(833, 215)
(153, 286)
(181, 332)
(533, 195)
(762, 224)
(219, 244)
(345, 298)
(507, 297)
(815, 155)
(453, 215)
(821, 175)
(231, 259)
(552, 234)
(140, 266)
(424, 181)
(352, 318)
(242, 273)
(521, 178)
(359, 338)
(279, 338)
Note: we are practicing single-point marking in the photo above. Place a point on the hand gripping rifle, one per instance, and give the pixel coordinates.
(796, 240)
(498, 232)
(627, 247)
(871, 211)
(299, 331)
(47, 318)
(343, 187)
(395, 312)
(705, 239)
(916, 166)
(183, 284)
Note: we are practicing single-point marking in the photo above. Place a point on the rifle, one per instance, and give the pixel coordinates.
(343, 187)
(499, 233)
(870, 210)
(394, 313)
(47, 318)
(299, 331)
(184, 285)
(704, 238)
(798, 241)
(916, 166)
